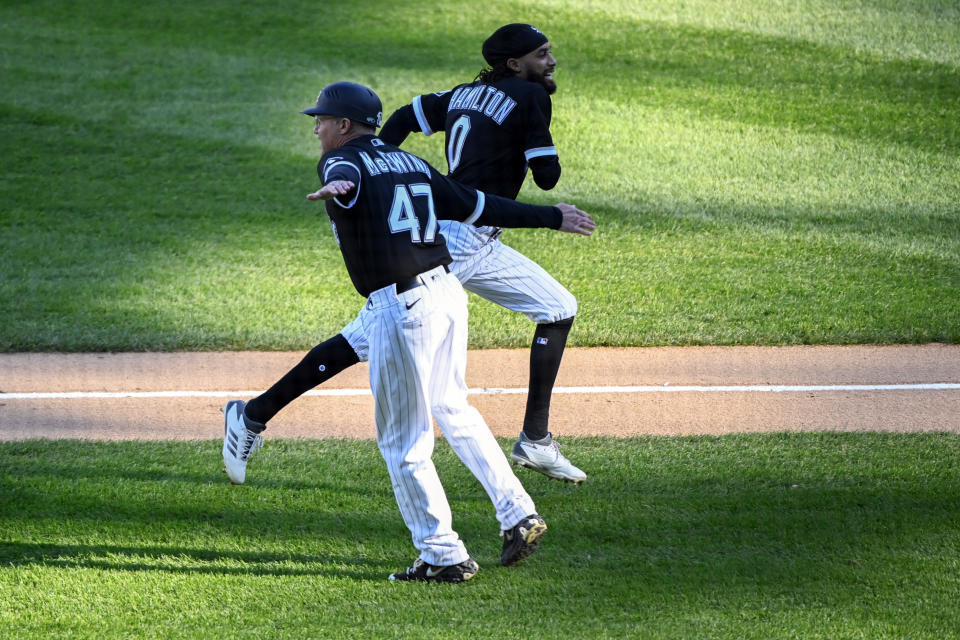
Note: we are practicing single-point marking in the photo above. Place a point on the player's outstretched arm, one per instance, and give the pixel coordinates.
(332, 190)
(575, 220)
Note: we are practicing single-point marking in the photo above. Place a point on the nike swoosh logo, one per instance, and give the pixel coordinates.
(408, 308)
(433, 574)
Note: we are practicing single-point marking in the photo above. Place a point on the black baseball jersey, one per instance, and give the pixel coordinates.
(386, 225)
(493, 132)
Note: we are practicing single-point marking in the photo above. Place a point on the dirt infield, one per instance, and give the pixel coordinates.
(604, 391)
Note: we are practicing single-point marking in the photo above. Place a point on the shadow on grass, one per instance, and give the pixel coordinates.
(788, 515)
(301, 489)
(135, 245)
(284, 464)
(210, 475)
(736, 75)
(775, 81)
(183, 560)
(785, 512)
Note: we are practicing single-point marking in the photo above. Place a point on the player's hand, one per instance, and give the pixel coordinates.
(575, 220)
(331, 190)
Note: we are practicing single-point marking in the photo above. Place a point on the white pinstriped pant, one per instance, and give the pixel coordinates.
(417, 360)
(495, 272)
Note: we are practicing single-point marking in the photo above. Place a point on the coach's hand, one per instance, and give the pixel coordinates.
(331, 190)
(575, 220)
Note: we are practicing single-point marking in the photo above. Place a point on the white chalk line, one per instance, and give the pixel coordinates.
(491, 391)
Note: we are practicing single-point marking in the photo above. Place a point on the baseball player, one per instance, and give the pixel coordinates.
(495, 128)
(384, 206)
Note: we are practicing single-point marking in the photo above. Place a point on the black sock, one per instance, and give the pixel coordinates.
(549, 341)
(324, 361)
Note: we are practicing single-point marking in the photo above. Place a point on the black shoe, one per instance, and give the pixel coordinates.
(423, 572)
(522, 540)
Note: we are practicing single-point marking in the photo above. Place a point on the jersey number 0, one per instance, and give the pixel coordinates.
(403, 215)
(455, 140)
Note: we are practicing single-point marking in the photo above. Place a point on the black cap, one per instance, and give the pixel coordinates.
(511, 41)
(349, 100)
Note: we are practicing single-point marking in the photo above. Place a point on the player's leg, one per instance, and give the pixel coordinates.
(402, 350)
(321, 363)
(508, 278)
(471, 439)
(245, 421)
(546, 352)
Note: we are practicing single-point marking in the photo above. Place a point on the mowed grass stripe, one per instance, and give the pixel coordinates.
(761, 173)
(783, 535)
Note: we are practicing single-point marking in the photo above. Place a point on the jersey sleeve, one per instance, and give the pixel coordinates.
(538, 149)
(546, 171)
(498, 211)
(430, 111)
(399, 125)
(341, 168)
(456, 201)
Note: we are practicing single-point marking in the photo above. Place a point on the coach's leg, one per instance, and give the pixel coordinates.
(402, 357)
(463, 426)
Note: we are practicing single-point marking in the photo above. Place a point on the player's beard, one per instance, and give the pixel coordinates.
(542, 80)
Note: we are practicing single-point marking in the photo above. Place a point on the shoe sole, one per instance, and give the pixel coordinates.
(526, 464)
(531, 544)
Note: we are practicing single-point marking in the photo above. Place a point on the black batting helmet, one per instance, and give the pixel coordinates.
(349, 100)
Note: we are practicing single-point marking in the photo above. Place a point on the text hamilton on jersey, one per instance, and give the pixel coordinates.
(484, 98)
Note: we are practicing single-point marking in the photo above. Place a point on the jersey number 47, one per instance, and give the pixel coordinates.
(403, 213)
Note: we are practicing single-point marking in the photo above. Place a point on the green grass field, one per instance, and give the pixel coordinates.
(781, 536)
(763, 171)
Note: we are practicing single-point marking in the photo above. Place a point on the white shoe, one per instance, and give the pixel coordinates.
(239, 443)
(544, 456)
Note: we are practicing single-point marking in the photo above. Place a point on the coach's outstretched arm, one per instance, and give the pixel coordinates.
(503, 212)
(490, 210)
(495, 211)
(471, 206)
(575, 220)
(485, 209)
